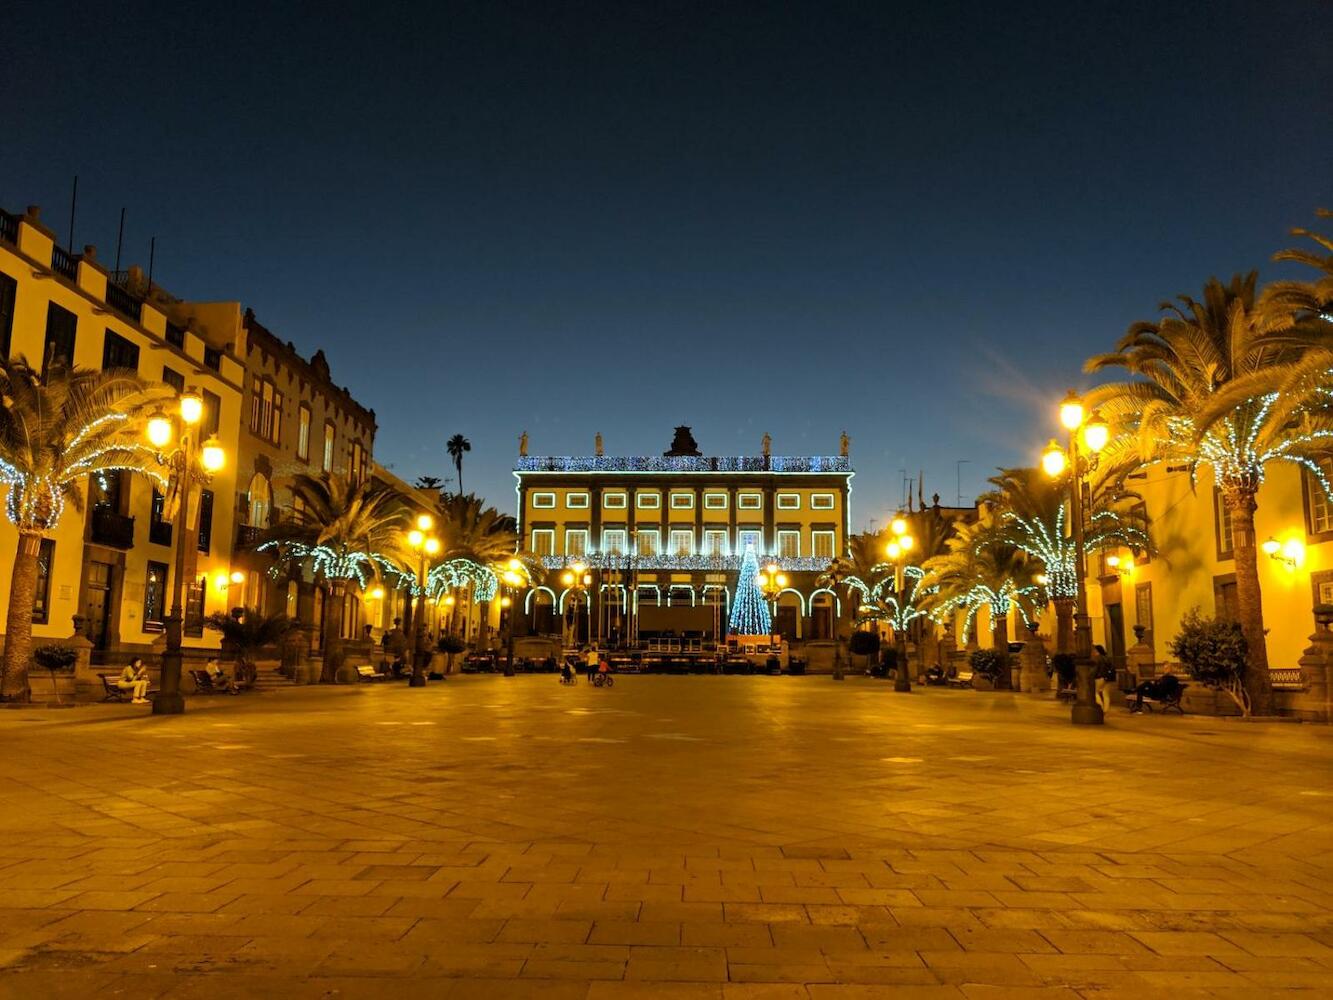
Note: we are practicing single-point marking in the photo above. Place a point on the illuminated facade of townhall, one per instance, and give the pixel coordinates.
(662, 538)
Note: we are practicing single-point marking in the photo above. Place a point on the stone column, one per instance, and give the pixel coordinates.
(1032, 663)
(86, 683)
(1139, 664)
(1316, 701)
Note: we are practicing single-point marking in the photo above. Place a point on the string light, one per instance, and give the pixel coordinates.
(684, 463)
(749, 611)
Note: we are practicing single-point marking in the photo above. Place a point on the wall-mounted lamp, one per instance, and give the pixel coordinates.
(1125, 566)
(1291, 553)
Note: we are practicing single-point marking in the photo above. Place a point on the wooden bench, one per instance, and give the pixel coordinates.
(959, 679)
(366, 672)
(112, 692)
(1165, 702)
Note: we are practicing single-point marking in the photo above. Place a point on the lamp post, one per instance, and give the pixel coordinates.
(1092, 432)
(420, 541)
(899, 545)
(512, 580)
(771, 583)
(187, 461)
(577, 580)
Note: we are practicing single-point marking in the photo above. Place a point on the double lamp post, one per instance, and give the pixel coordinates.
(900, 544)
(425, 545)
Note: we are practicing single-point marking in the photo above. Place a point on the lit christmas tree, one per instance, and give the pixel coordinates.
(749, 612)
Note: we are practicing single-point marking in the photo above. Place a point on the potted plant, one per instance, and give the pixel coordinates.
(450, 644)
(1062, 666)
(990, 666)
(864, 644)
(244, 635)
(1213, 652)
(53, 657)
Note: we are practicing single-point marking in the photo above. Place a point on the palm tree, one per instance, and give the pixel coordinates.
(345, 531)
(476, 544)
(1235, 385)
(1310, 300)
(861, 574)
(981, 569)
(56, 432)
(456, 446)
(245, 634)
(1031, 515)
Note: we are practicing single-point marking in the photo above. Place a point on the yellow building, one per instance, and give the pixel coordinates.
(111, 564)
(663, 537)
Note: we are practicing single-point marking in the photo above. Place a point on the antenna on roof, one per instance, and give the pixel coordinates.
(152, 255)
(120, 237)
(959, 465)
(73, 205)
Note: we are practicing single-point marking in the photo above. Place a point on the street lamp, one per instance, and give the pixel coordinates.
(512, 580)
(420, 541)
(900, 544)
(187, 461)
(577, 579)
(1092, 433)
(772, 582)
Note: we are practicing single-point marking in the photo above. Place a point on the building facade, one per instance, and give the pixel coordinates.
(663, 537)
(111, 563)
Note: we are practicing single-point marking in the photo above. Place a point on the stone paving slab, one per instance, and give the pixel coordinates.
(673, 838)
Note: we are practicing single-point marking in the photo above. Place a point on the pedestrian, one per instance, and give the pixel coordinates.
(590, 661)
(1103, 678)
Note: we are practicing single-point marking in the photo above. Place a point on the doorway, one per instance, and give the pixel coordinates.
(97, 602)
(1115, 634)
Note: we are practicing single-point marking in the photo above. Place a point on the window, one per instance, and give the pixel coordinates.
(155, 597)
(821, 544)
(256, 403)
(789, 501)
(117, 352)
(543, 541)
(576, 500)
(275, 428)
(174, 379)
(194, 607)
(1143, 609)
(576, 541)
(648, 501)
(715, 501)
(212, 412)
(613, 501)
(159, 529)
(259, 498)
(356, 469)
(329, 432)
(205, 520)
(715, 542)
(543, 501)
(212, 358)
(41, 595)
(266, 410)
(1227, 607)
(1322, 586)
(749, 501)
(682, 542)
(8, 292)
(750, 538)
(303, 433)
(648, 540)
(682, 501)
(613, 542)
(789, 544)
(175, 335)
(822, 501)
(1318, 507)
(1140, 514)
(1226, 543)
(61, 325)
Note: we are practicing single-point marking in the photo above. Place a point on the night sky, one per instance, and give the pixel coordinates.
(911, 221)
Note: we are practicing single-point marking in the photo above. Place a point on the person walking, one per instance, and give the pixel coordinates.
(590, 661)
(1103, 679)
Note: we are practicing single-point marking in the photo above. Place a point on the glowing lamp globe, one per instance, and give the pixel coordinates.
(587, 579)
(1071, 411)
(505, 602)
(220, 581)
(1053, 460)
(449, 600)
(894, 550)
(567, 579)
(425, 522)
(906, 542)
(238, 577)
(415, 538)
(213, 458)
(1294, 551)
(514, 564)
(1096, 432)
(192, 407)
(432, 546)
(1272, 546)
(771, 569)
(1113, 562)
(578, 568)
(159, 430)
(377, 594)
(782, 580)
(898, 526)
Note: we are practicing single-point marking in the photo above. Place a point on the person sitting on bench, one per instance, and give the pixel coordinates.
(134, 679)
(1164, 689)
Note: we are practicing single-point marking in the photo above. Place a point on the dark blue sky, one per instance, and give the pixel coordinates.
(912, 221)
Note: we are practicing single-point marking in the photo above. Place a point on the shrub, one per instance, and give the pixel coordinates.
(989, 663)
(864, 643)
(450, 643)
(54, 657)
(1213, 653)
(1062, 665)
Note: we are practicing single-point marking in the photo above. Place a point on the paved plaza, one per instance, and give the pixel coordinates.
(672, 838)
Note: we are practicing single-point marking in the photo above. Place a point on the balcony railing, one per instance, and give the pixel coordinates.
(686, 463)
(212, 358)
(159, 532)
(64, 262)
(123, 302)
(175, 335)
(111, 528)
(248, 536)
(9, 227)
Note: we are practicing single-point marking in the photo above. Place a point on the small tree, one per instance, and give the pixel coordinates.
(55, 657)
(864, 644)
(1214, 653)
(247, 635)
(449, 644)
(991, 664)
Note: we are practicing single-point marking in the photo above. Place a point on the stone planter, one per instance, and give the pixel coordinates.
(980, 683)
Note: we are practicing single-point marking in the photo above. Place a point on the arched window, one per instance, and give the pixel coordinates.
(260, 500)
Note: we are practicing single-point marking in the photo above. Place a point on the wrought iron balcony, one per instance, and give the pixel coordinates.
(249, 536)
(159, 532)
(9, 227)
(123, 302)
(111, 528)
(64, 262)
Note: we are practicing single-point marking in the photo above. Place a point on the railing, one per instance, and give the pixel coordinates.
(248, 536)
(212, 358)
(64, 262)
(175, 335)
(9, 227)
(159, 532)
(716, 564)
(122, 301)
(111, 528)
(686, 463)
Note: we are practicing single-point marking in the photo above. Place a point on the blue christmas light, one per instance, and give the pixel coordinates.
(749, 612)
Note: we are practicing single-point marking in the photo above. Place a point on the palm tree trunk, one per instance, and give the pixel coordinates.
(18, 624)
(333, 643)
(999, 640)
(458, 464)
(1241, 502)
(1064, 625)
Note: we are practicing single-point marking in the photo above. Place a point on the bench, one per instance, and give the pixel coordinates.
(204, 684)
(366, 672)
(1167, 701)
(959, 679)
(112, 692)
